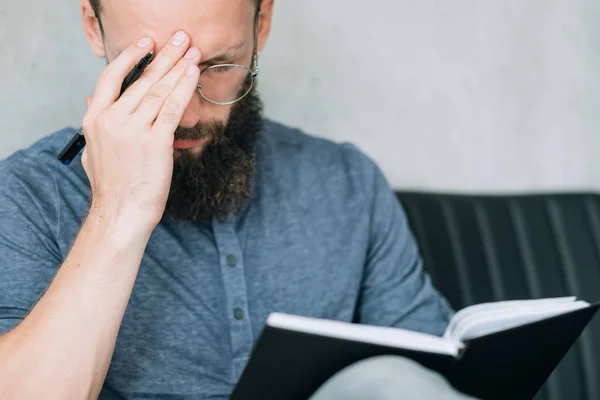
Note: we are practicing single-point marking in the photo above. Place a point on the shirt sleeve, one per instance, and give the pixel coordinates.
(29, 255)
(395, 290)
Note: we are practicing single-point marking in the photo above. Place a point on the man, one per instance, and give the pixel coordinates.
(147, 268)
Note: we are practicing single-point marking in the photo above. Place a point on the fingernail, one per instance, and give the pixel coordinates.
(191, 53)
(179, 38)
(145, 42)
(192, 69)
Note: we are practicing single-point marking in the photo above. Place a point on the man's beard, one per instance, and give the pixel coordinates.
(217, 182)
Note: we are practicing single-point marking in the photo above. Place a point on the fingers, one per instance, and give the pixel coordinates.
(155, 99)
(172, 111)
(109, 85)
(168, 57)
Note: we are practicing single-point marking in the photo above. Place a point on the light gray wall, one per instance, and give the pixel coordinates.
(478, 95)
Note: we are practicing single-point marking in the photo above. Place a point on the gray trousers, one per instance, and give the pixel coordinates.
(387, 378)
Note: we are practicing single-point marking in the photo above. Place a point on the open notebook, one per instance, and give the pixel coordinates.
(484, 347)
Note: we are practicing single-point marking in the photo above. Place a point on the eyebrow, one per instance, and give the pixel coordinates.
(225, 56)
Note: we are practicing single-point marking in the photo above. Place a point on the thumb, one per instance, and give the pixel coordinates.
(88, 101)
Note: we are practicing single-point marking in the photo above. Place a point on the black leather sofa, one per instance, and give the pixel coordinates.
(490, 248)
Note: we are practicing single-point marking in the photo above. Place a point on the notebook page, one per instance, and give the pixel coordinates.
(506, 319)
(481, 310)
(385, 336)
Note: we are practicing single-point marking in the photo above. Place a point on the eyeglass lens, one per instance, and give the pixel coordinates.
(225, 84)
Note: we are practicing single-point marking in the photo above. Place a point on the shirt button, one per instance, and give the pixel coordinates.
(238, 313)
(231, 261)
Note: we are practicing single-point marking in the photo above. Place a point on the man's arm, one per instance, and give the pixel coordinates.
(395, 290)
(63, 348)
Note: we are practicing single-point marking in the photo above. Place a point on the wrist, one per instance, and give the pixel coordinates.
(108, 248)
(120, 224)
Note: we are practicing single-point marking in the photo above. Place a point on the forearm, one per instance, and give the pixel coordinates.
(63, 348)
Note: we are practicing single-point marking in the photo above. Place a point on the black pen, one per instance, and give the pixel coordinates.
(78, 142)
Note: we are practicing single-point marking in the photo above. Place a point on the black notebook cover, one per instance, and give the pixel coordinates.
(512, 364)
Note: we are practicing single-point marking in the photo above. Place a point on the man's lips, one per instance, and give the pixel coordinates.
(187, 143)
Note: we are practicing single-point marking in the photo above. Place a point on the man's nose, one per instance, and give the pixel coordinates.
(193, 112)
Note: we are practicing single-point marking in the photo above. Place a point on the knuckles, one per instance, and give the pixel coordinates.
(105, 73)
(158, 93)
(104, 123)
(88, 122)
(171, 113)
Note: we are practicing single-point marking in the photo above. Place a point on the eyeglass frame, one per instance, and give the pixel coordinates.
(253, 70)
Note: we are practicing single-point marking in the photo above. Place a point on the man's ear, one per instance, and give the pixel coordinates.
(91, 27)
(264, 23)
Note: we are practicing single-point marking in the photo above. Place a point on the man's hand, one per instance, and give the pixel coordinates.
(129, 153)
(63, 347)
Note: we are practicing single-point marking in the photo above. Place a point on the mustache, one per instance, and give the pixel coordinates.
(211, 129)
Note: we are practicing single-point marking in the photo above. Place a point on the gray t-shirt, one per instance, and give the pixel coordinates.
(322, 236)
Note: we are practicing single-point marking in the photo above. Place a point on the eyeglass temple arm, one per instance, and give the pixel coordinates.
(255, 56)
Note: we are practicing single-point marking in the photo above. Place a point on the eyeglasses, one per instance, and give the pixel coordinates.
(226, 84)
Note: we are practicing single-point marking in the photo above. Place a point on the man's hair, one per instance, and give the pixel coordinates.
(98, 7)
